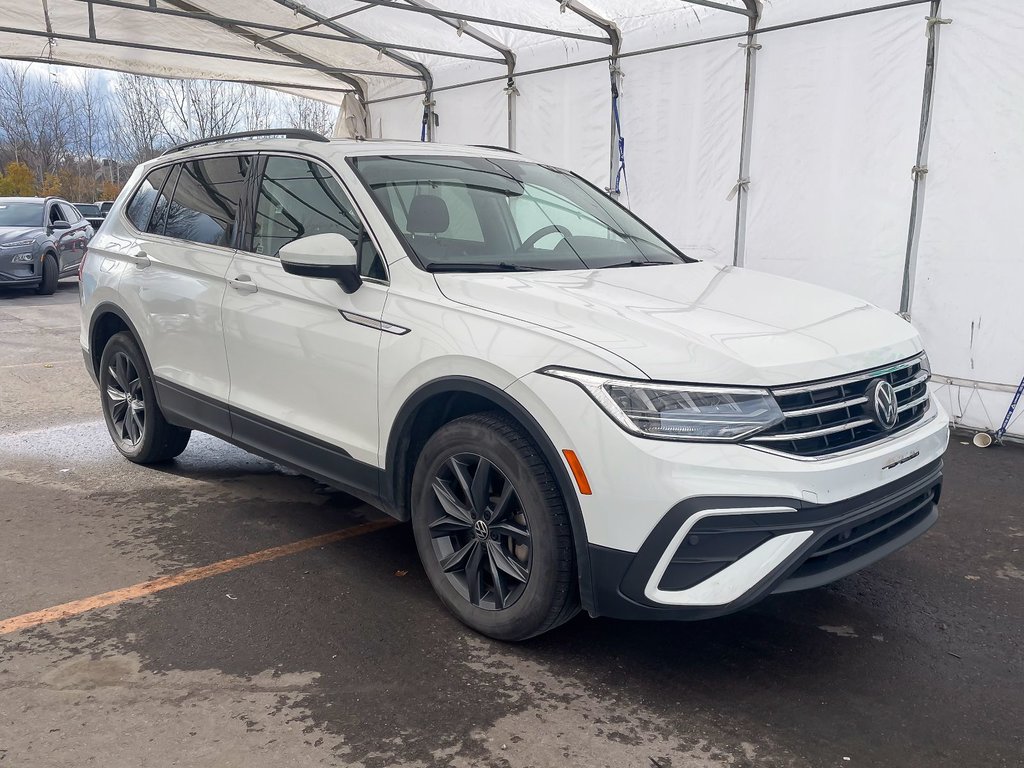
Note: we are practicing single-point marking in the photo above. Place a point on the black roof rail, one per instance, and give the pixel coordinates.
(287, 133)
(494, 146)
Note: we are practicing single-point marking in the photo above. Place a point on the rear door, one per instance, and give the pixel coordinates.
(176, 283)
(302, 353)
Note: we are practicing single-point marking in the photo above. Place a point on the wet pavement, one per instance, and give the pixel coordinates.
(341, 655)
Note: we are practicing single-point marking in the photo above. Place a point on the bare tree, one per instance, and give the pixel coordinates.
(135, 120)
(312, 115)
(200, 108)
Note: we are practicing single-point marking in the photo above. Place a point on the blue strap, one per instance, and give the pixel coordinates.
(1011, 409)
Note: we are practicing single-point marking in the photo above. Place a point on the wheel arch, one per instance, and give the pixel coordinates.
(441, 401)
(107, 320)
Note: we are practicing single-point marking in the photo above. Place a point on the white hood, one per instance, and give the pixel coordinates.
(697, 322)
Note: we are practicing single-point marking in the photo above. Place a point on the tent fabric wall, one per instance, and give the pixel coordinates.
(397, 118)
(834, 120)
(968, 287)
(681, 117)
(836, 113)
(564, 117)
(476, 114)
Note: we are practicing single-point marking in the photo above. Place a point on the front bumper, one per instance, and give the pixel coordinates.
(775, 507)
(711, 556)
(20, 273)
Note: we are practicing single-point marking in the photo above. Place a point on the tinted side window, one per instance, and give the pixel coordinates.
(70, 213)
(299, 198)
(205, 200)
(141, 206)
(163, 202)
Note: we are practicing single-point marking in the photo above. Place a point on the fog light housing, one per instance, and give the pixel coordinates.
(22, 258)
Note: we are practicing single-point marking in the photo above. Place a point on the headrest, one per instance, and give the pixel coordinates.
(428, 215)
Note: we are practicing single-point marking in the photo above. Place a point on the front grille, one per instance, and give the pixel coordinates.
(863, 536)
(834, 415)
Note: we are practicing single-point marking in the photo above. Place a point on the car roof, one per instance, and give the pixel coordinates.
(20, 199)
(335, 148)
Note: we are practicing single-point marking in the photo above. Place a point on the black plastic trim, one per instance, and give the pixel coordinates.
(621, 577)
(281, 444)
(399, 436)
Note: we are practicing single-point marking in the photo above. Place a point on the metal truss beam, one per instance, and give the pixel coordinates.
(483, 20)
(290, 64)
(278, 48)
(749, 7)
(422, 71)
(306, 31)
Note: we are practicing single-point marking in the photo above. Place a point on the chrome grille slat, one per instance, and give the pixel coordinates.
(913, 403)
(834, 415)
(921, 378)
(826, 408)
(789, 436)
(867, 376)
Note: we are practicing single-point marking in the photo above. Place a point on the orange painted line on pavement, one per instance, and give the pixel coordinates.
(77, 607)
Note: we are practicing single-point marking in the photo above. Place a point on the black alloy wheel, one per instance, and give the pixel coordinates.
(480, 534)
(492, 528)
(134, 419)
(125, 401)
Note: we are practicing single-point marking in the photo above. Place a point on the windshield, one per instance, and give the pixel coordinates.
(20, 214)
(88, 209)
(487, 214)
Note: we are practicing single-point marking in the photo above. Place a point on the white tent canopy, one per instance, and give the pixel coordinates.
(835, 141)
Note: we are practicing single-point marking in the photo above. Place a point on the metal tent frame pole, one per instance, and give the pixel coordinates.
(421, 69)
(443, 14)
(615, 76)
(283, 31)
(920, 169)
(507, 54)
(742, 188)
(279, 48)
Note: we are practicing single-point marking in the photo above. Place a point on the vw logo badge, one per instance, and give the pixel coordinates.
(480, 529)
(883, 402)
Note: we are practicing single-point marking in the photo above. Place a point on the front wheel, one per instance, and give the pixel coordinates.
(492, 529)
(134, 420)
(51, 274)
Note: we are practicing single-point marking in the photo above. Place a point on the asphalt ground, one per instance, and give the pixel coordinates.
(339, 654)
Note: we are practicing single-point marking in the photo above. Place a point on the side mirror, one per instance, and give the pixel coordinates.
(59, 224)
(328, 255)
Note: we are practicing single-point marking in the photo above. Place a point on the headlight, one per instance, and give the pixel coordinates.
(18, 244)
(678, 411)
(22, 258)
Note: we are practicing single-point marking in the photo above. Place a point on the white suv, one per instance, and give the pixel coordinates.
(571, 412)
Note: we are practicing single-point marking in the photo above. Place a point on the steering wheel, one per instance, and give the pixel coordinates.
(550, 229)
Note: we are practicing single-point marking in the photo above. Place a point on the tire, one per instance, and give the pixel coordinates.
(497, 547)
(51, 274)
(136, 425)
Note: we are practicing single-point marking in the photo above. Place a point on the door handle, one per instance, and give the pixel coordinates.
(243, 284)
(140, 259)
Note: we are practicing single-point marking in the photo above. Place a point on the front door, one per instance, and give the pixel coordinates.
(302, 354)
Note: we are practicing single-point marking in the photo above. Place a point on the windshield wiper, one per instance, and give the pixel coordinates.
(637, 263)
(477, 266)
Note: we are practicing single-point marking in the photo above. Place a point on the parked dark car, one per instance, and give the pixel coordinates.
(42, 239)
(92, 213)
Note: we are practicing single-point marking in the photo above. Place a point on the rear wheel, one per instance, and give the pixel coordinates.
(51, 272)
(134, 420)
(492, 529)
